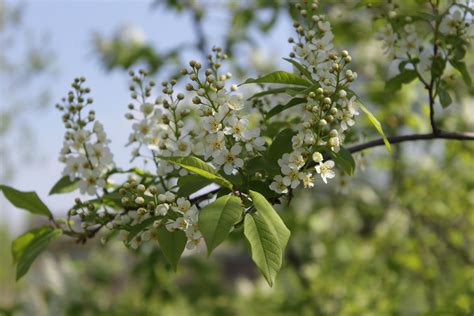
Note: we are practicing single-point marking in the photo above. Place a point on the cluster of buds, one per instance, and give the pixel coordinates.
(85, 151)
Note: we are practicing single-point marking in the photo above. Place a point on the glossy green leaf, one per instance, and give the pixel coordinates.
(191, 183)
(265, 247)
(199, 167)
(281, 77)
(172, 244)
(26, 200)
(64, 185)
(377, 126)
(217, 219)
(275, 222)
(302, 69)
(256, 164)
(280, 145)
(26, 248)
(282, 107)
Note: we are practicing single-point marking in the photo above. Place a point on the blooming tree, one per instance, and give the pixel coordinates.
(221, 161)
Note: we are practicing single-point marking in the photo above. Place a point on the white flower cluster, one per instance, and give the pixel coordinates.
(223, 137)
(164, 209)
(407, 44)
(85, 150)
(328, 111)
(227, 139)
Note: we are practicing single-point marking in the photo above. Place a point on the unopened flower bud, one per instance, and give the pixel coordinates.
(153, 189)
(141, 211)
(317, 157)
(196, 100)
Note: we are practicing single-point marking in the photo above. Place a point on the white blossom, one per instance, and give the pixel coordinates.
(324, 169)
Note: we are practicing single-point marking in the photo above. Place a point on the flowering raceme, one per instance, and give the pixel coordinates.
(327, 111)
(405, 40)
(85, 151)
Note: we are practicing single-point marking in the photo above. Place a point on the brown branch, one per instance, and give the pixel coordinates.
(376, 143)
(412, 137)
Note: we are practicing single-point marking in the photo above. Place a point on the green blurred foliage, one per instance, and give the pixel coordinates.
(395, 239)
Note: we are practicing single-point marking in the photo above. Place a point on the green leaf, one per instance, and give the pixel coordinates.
(265, 247)
(280, 145)
(274, 91)
(172, 244)
(282, 107)
(281, 77)
(26, 200)
(444, 98)
(217, 219)
(377, 126)
(395, 83)
(256, 164)
(64, 185)
(199, 167)
(275, 222)
(191, 183)
(302, 69)
(461, 67)
(438, 66)
(344, 159)
(26, 248)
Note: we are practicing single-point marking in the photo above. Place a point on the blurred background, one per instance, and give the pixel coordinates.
(395, 239)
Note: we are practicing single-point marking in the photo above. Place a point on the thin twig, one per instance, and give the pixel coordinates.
(431, 87)
(412, 137)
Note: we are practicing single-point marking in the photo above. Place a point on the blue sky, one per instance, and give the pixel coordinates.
(70, 25)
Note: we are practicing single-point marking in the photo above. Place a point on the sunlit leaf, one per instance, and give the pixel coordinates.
(64, 185)
(27, 247)
(377, 126)
(172, 244)
(217, 219)
(199, 167)
(268, 212)
(281, 77)
(265, 247)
